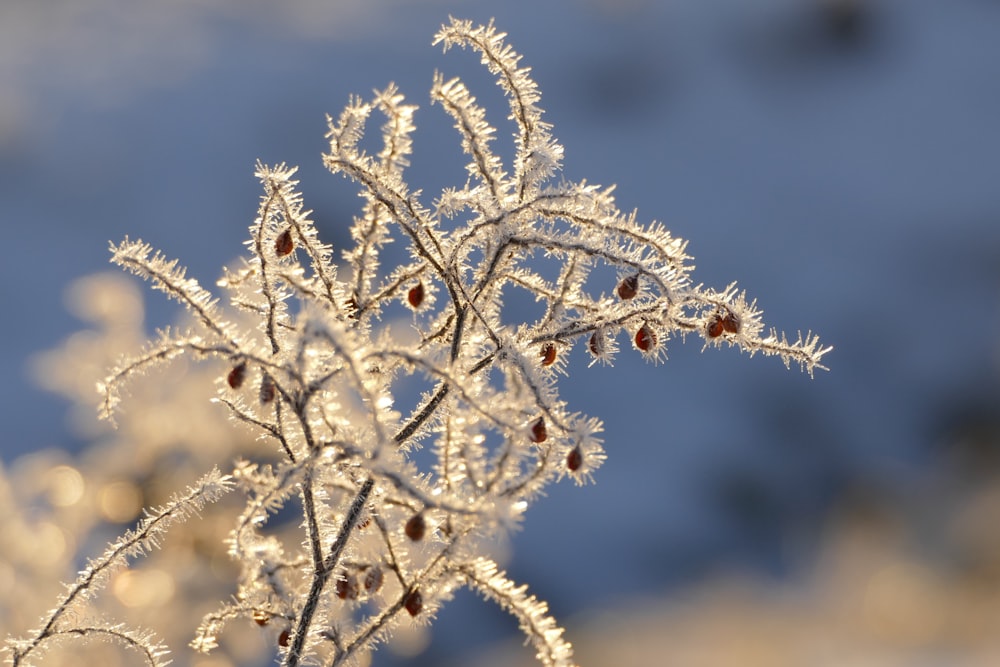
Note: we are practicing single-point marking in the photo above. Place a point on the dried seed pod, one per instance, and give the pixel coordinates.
(548, 354)
(284, 637)
(267, 390)
(645, 338)
(538, 431)
(373, 578)
(714, 328)
(596, 343)
(284, 244)
(628, 287)
(347, 586)
(414, 602)
(574, 459)
(261, 617)
(415, 296)
(415, 527)
(237, 375)
(731, 323)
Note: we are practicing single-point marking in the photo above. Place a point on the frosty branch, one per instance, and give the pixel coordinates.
(312, 368)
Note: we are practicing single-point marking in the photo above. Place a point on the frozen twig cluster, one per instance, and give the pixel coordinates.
(318, 375)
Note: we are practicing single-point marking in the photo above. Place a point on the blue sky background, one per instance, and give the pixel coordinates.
(843, 167)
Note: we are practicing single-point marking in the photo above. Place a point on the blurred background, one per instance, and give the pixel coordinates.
(839, 158)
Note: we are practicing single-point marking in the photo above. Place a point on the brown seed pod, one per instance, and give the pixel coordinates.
(414, 602)
(538, 431)
(628, 287)
(415, 527)
(596, 344)
(574, 459)
(284, 638)
(645, 338)
(731, 323)
(284, 244)
(237, 375)
(267, 390)
(714, 328)
(373, 578)
(261, 617)
(548, 354)
(415, 296)
(347, 587)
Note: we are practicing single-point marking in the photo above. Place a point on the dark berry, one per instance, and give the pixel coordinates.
(347, 587)
(628, 287)
(645, 338)
(574, 459)
(596, 344)
(284, 244)
(731, 323)
(415, 527)
(415, 296)
(715, 327)
(538, 432)
(414, 602)
(237, 375)
(548, 354)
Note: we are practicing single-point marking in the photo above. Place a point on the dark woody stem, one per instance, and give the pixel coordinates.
(322, 575)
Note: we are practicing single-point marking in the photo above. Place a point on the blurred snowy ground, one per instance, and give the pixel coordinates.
(839, 159)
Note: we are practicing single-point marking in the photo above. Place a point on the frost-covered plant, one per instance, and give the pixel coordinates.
(313, 371)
